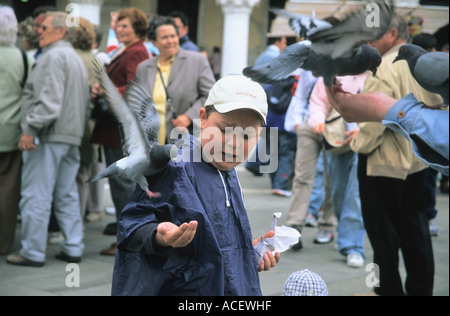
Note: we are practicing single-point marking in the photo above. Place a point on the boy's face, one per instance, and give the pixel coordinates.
(228, 139)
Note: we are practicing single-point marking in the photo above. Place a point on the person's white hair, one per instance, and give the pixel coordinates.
(8, 26)
(59, 21)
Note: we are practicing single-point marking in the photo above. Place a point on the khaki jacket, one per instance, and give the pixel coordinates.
(388, 153)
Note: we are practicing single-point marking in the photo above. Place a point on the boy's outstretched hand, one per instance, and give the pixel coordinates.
(171, 235)
(270, 260)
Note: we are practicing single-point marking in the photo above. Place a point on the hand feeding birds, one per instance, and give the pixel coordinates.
(430, 69)
(332, 47)
(139, 122)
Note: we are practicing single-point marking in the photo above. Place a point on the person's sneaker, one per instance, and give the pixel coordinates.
(64, 257)
(110, 229)
(19, 260)
(324, 237)
(298, 245)
(311, 221)
(55, 238)
(111, 251)
(434, 230)
(282, 193)
(110, 210)
(94, 217)
(355, 260)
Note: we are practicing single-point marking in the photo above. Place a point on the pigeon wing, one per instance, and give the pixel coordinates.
(302, 24)
(134, 140)
(291, 58)
(141, 102)
(354, 29)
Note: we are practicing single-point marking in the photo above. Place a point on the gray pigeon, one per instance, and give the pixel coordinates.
(140, 125)
(300, 55)
(335, 48)
(430, 69)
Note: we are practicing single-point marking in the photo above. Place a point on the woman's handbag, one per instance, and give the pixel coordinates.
(334, 134)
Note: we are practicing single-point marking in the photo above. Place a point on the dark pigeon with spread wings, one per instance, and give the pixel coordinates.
(140, 126)
(333, 48)
(430, 69)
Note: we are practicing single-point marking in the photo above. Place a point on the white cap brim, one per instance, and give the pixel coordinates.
(229, 107)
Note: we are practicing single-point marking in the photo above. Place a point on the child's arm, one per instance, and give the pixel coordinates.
(158, 239)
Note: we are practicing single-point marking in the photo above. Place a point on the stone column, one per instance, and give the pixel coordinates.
(235, 34)
(90, 10)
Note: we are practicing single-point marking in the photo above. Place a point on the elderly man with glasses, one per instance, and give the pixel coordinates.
(54, 111)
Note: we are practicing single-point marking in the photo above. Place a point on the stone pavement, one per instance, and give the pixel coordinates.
(95, 271)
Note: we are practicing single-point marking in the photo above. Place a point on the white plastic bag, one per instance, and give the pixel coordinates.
(284, 238)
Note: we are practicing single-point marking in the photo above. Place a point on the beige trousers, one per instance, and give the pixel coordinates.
(309, 146)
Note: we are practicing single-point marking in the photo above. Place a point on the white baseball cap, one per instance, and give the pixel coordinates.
(237, 92)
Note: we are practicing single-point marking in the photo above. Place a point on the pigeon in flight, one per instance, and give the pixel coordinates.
(333, 47)
(430, 69)
(140, 123)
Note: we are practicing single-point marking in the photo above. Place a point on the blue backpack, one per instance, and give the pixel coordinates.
(279, 94)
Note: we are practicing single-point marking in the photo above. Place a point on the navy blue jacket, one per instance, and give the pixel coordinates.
(219, 261)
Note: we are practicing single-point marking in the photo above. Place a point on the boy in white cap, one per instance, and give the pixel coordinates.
(196, 239)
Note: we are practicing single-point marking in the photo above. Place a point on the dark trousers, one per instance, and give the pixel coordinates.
(394, 213)
(121, 189)
(430, 196)
(10, 171)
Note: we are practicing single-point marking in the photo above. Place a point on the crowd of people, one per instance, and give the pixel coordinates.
(365, 181)
(56, 132)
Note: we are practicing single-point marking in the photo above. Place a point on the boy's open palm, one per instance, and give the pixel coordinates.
(171, 235)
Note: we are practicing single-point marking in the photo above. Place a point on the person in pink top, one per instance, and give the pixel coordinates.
(341, 169)
(322, 108)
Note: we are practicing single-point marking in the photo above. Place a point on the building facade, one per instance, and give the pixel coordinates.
(238, 27)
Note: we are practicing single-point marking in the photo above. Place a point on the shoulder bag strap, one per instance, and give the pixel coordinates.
(168, 99)
(25, 69)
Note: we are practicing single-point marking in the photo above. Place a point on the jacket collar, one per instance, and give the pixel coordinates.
(140, 42)
(180, 56)
(178, 61)
(394, 49)
(60, 43)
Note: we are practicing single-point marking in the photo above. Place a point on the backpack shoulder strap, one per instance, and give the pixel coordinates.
(25, 70)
